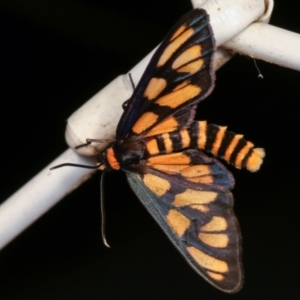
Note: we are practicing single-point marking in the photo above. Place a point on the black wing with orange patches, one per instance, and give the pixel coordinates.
(179, 74)
(197, 216)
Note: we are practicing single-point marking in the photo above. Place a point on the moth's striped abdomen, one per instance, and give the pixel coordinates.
(211, 138)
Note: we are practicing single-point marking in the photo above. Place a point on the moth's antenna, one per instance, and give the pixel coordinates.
(102, 208)
(133, 88)
(260, 76)
(74, 165)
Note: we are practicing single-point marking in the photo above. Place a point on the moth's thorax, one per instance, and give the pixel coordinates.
(125, 154)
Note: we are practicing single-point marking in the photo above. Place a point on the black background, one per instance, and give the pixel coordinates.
(54, 55)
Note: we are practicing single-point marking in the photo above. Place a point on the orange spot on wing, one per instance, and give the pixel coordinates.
(188, 55)
(207, 261)
(202, 208)
(216, 240)
(198, 174)
(202, 179)
(170, 159)
(156, 184)
(178, 32)
(170, 169)
(215, 276)
(155, 87)
(169, 125)
(174, 45)
(215, 224)
(196, 170)
(179, 97)
(189, 197)
(181, 85)
(178, 222)
(146, 120)
(192, 67)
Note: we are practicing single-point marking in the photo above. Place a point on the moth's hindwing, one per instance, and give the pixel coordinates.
(179, 75)
(193, 206)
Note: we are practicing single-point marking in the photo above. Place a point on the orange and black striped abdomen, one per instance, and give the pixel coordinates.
(211, 138)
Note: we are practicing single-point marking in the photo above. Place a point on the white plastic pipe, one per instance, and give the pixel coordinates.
(268, 43)
(39, 194)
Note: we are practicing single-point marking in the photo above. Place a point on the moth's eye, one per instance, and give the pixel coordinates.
(101, 157)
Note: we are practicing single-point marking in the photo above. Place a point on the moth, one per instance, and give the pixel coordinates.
(161, 148)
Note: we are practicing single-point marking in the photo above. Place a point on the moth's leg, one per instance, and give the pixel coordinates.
(89, 141)
(131, 81)
(133, 87)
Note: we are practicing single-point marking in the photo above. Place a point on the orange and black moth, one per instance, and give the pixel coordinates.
(162, 150)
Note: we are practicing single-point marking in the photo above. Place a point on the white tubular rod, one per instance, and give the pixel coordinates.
(269, 43)
(230, 17)
(41, 193)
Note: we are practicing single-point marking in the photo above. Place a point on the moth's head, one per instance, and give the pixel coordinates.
(107, 160)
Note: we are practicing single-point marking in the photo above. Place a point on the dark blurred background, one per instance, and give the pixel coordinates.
(54, 55)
